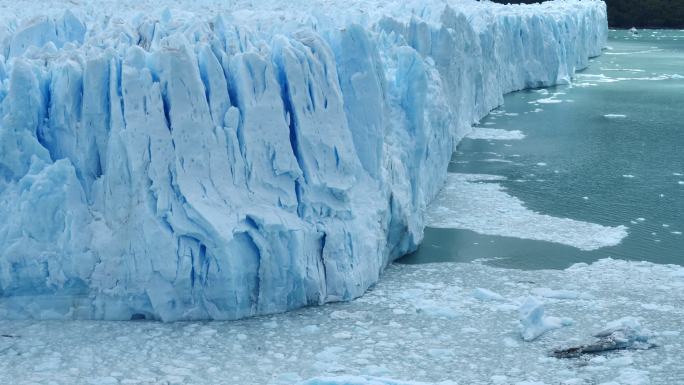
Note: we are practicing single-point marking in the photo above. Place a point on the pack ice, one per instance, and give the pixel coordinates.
(217, 160)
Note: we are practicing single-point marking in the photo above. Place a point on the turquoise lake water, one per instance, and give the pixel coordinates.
(608, 149)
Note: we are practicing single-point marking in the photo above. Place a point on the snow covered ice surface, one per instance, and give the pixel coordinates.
(421, 323)
(222, 159)
(476, 202)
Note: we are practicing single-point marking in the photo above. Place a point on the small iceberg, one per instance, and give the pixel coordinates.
(533, 322)
(487, 295)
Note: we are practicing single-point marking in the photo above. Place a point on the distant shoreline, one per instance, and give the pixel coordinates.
(644, 28)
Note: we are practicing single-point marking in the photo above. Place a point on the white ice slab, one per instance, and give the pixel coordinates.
(495, 134)
(472, 202)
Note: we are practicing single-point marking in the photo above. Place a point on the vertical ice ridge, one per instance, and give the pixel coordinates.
(194, 166)
(322, 140)
(24, 110)
(361, 79)
(263, 132)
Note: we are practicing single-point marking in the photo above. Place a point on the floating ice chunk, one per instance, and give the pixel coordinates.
(487, 295)
(467, 203)
(310, 329)
(496, 160)
(510, 342)
(440, 352)
(620, 361)
(507, 307)
(623, 69)
(631, 376)
(600, 78)
(330, 353)
(629, 326)
(628, 176)
(376, 370)
(533, 322)
(435, 309)
(342, 335)
(615, 116)
(427, 286)
(541, 164)
(598, 360)
(634, 52)
(573, 381)
(558, 294)
(495, 134)
(657, 307)
(550, 100)
(411, 294)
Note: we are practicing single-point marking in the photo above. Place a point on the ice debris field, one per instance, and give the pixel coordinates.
(476, 202)
(436, 324)
(218, 160)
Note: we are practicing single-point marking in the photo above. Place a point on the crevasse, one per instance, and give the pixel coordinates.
(223, 160)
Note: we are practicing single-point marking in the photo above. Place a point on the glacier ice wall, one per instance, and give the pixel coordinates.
(226, 159)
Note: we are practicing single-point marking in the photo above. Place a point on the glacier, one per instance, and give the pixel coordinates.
(219, 160)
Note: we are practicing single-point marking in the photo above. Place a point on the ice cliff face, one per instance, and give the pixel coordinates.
(219, 161)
